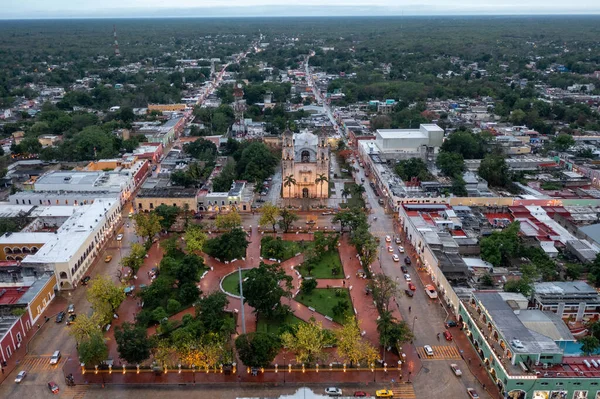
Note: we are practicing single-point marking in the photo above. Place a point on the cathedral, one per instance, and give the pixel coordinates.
(305, 162)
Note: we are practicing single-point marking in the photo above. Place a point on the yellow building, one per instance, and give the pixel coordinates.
(166, 107)
(149, 199)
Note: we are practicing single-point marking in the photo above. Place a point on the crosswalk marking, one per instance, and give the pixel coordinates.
(442, 352)
(37, 363)
(404, 391)
(78, 391)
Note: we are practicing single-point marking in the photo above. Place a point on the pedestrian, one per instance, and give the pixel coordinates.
(2, 371)
(409, 309)
(484, 387)
(438, 336)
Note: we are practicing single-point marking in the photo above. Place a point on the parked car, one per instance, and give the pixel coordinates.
(53, 387)
(472, 393)
(60, 317)
(407, 260)
(71, 319)
(455, 370)
(412, 287)
(398, 241)
(451, 323)
(447, 335)
(388, 239)
(390, 248)
(55, 358)
(431, 292)
(428, 350)
(333, 391)
(119, 237)
(409, 293)
(404, 269)
(21, 376)
(85, 280)
(71, 308)
(384, 393)
(360, 394)
(396, 258)
(401, 250)
(108, 258)
(407, 277)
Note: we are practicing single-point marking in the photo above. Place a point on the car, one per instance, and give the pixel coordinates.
(431, 292)
(360, 394)
(71, 308)
(412, 287)
(53, 387)
(55, 358)
(119, 237)
(407, 277)
(384, 393)
(409, 293)
(404, 269)
(401, 249)
(447, 335)
(398, 241)
(130, 215)
(333, 391)
(472, 393)
(390, 249)
(263, 193)
(388, 239)
(407, 260)
(108, 258)
(60, 317)
(428, 350)
(21, 376)
(326, 213)
(396, 258)
(311, 222)
(455, 369)
(85, 280)
(451, 323)
(71, 319)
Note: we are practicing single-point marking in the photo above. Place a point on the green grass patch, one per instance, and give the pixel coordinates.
(276, 248)
(323, 267)
(276, 327)
(231, 283)
(325, 300)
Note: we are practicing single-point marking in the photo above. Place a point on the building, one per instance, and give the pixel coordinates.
(571, 300)
(166, 107)
(164, 134)
(149, 199)
(305, 158)
(152, 152)
(239, 197)
(33, 297)
(49, 140)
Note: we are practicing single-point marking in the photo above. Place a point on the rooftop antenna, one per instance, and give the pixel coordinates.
(117, 52)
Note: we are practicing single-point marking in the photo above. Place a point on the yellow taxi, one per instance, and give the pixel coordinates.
(384, 393)
(108, 258)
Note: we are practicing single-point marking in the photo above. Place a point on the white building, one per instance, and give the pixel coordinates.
(404, 143)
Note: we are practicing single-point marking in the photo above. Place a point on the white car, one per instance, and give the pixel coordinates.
(396, 258)
(456, 370)
(119, 237)
(472, 393)
(333, 391)
(388, 239)
(407, 277)
(21, 376)
(401, 249)
(398, 240)
(428, 350)
(390, 249)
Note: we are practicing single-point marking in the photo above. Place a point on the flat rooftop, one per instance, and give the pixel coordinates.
(167, 192)
(11, 295)
(401, 133)
(8, 210)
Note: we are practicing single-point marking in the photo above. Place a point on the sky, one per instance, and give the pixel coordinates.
(13, 9)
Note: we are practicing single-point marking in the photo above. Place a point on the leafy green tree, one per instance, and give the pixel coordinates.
(469, 145)
(383, 288)
(132, 343)
(105, 297)
(223, 181)
(136, 257)
(522, 286)
(195, 238)
(211, 312)
(308, 285)
(500, 246)
(287, 219)
(494, 170)
(450, 163)
(147, 225)
(289, 181)
(93, 351)
(168, 215)
(263, 288)
(229, 221)
(228, 246)
(257, 349)
(589, 345)
(562, 142)
(487, 280)
(413, 167)
(202, 149)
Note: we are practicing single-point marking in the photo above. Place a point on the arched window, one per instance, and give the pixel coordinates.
(63, 275)
(305, 156)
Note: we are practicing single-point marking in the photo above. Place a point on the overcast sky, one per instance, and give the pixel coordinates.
(240, 8)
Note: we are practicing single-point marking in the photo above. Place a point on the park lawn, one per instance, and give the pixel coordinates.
(273, 326)
(231, 283)
(327, 261)
(323, 300)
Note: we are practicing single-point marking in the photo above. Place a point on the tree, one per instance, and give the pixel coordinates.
(308, 285)
(594, 272)
(358, 190)
(469, 145)
(500, 246)
(229, 221)
(211, 312)
(105, 298)
(132, 343)
(412, 168)
(345, 193)
(351, 346)
(494, 170)
(459, 187)
(268, 215)
(287, 219)
(167, 214)
(257, 349)
(450, 163)
(589, 345)
(136, 257)
(84, 327)
(307, 341)
(522, 286)
(202, 149)
(321, 178)
(594, 328)
(228, 246)
(289, 181)
(263, 289)
(147, 225)
(383, 287)
(93, 350)
(487, 280)
(563, 142)
(195, 238)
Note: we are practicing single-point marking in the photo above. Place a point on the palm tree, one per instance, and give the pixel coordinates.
(345, 193)
(288, 182)
(385, 325)
(359, 190)
(321, 178)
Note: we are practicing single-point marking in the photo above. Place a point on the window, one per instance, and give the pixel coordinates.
(19, 339)
(305, 156)
(544, 383)
(560, 384)
(151, 205)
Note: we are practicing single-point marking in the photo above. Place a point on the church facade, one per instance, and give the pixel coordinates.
(305, 161)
